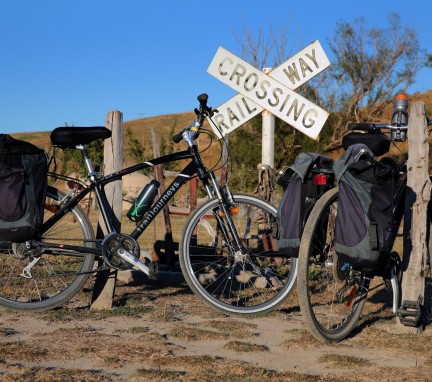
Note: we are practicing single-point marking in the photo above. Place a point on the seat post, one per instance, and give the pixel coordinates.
(100, 195)
(87, 162)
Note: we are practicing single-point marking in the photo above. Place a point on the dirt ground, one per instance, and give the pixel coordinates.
(159, 331)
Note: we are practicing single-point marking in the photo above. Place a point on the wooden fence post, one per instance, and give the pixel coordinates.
(168, 244)
(103, 291)
(415, 219)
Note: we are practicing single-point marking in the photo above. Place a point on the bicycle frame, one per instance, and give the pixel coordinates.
(194, 166)
(397, 211)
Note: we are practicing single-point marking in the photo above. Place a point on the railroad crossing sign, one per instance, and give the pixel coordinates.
(272, 92)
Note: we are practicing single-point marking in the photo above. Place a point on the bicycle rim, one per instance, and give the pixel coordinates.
(255, 281)
(41, 281)
(331, 296)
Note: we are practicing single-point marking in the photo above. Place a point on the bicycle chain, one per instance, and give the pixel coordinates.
(98, 269)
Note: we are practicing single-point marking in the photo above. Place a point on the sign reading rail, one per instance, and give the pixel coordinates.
(273, 92)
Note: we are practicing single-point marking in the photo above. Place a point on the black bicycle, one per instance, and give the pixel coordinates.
(225, 251)
(332, 292)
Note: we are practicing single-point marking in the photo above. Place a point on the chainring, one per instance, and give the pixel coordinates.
(112, 244)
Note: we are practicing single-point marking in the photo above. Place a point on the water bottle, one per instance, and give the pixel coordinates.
(400, 117)
(143, 202)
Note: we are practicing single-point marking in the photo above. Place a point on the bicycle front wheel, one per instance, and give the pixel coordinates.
(41, 279)
(331, 294)
(255, 279)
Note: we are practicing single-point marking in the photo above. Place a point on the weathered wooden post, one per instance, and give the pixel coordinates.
(103, 291)
(415, 227)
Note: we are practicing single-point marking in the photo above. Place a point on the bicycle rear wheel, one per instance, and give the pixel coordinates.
(46, 278)
(331, 294)
(255, 281)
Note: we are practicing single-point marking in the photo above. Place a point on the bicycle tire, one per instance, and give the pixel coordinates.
(330, 306)
(56, 277)
(232, 283)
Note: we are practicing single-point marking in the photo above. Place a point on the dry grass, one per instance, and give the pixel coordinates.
(164, 333)
(19, 373)
(300, 339)
(68, 315)
(192, 333)
(223, 370)
(379, 336)
(245, 347)
(233, 328)
(337, 360)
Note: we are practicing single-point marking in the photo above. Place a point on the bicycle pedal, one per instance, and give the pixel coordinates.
(409, 313)
(145, 256)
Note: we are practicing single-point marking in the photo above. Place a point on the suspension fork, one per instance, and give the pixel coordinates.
(223, 217)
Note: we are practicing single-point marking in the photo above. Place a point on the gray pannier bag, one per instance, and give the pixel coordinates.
(23, 185)
(365, 203)
(301, 191)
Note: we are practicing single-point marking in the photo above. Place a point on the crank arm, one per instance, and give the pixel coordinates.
(131, 259)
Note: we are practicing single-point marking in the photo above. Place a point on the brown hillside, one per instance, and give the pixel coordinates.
(141, 129)
(164, 125)
(425, 97)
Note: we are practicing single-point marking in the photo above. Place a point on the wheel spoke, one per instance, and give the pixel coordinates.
(252, 279)
(40, 279)
(331, 294)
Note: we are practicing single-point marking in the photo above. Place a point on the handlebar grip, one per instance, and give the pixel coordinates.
(360, 126)
(202, 99)
(176, 138)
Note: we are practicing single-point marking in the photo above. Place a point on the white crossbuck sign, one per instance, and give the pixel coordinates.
(272, 92)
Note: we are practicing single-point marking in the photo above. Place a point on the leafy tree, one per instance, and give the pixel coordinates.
(244, 144)
(167, 147)
(371, 66)
(72, 162)
(136, 150)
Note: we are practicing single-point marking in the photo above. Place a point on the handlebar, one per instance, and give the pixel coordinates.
(176, 138)
(202, 99)
(192, 132)
(373, 127)
(367, 126)
(398, 133)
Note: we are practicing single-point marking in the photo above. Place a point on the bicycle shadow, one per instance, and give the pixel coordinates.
(381, 312)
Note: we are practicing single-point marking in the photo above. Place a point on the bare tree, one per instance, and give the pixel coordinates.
(270, 46)
(265, 47)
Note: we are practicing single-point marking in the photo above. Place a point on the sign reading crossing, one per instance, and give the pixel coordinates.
(273, 92)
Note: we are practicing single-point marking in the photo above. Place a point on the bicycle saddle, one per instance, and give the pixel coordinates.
(69, 137)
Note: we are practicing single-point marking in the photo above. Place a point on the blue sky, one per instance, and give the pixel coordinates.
(72, 61)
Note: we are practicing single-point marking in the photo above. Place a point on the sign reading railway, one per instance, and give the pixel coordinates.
(272, 92)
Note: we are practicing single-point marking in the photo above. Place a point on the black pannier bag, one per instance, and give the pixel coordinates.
(23, 184)
(300, 195)
(364, 213)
